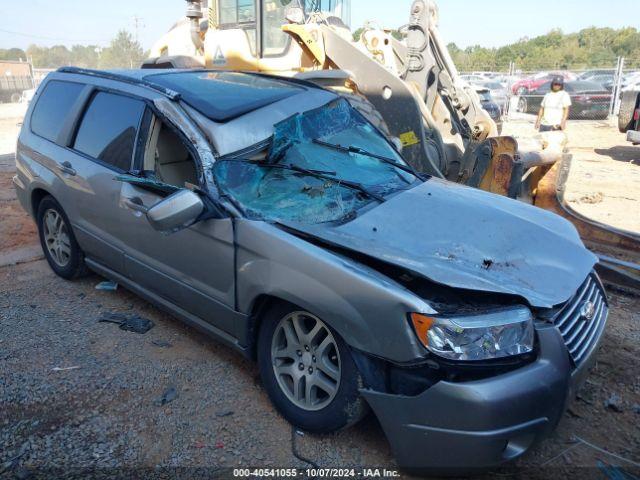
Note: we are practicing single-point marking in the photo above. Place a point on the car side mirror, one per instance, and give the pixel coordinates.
(177, 211)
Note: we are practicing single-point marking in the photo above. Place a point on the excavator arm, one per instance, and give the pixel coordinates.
(444, 131)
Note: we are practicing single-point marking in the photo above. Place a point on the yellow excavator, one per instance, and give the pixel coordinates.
(409, 88)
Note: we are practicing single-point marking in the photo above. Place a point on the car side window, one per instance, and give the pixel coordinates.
(54, 104)
(108, 129)
(167, 159)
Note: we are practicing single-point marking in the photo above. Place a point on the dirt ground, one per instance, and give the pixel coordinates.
(77, 394)
(604, 182)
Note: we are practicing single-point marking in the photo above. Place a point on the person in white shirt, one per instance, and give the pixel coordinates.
(554, 110)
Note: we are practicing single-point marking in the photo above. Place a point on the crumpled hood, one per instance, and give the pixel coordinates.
(467, 238)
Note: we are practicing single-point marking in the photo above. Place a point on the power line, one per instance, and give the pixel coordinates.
(138, 22)
(61, 39)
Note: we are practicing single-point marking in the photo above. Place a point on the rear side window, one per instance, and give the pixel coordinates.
(52, 108)
(108, 129)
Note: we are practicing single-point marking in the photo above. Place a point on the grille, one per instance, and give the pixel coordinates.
(578, 331)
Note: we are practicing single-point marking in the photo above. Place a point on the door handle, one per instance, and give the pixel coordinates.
(134, 203)
(66, 167)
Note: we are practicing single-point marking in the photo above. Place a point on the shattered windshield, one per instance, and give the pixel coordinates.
(323, 165)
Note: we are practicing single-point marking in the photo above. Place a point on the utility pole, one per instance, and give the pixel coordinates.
(137, 24)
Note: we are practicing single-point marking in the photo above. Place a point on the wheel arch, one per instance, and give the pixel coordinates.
(37, 195)
(259, 307)
(262, 304)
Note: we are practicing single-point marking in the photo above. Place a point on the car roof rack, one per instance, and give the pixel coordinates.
(172, 94)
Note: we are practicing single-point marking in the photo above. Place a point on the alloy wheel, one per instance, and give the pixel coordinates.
(56, 237)
(306, 361)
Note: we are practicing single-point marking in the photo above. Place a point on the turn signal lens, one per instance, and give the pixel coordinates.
(422, 324)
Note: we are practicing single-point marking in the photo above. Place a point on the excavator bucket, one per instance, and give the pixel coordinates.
(618, 250)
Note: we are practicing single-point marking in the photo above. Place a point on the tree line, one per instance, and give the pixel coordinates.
(124, 51)
(589, 48)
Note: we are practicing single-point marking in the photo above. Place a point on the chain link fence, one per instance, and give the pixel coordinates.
(595, 92)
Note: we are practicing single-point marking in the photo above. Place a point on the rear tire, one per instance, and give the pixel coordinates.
(628, 106)
(311, 379)
(64, 255)
(15, 97)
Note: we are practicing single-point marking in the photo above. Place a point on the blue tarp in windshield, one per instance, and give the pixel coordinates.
(326, 121)
(282, 195)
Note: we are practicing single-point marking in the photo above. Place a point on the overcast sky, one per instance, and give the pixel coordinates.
(465, 22)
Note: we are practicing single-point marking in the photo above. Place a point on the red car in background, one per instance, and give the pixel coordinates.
(533, 82)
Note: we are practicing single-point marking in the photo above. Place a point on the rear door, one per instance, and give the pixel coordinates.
(102, 148)
(42, 151)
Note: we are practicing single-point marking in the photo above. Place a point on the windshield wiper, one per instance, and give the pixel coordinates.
(362, 151)
(324, 174)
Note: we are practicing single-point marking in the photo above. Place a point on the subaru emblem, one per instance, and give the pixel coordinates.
(587, 310)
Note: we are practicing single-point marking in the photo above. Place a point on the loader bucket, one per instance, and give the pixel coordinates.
(618, 250)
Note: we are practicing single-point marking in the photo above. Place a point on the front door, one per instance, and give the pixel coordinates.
(194, 267)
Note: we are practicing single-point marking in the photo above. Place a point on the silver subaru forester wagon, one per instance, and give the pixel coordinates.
(272, 215)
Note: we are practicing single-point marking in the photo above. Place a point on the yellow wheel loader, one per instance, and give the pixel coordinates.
(409, 89)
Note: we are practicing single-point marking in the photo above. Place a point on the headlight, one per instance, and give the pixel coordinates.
(477, 337)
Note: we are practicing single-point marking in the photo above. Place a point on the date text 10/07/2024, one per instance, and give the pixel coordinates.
(316, 472)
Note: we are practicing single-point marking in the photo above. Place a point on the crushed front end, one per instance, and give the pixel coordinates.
(443, 417)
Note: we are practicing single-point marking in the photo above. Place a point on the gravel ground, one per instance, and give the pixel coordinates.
(103, 408)
(76, 394)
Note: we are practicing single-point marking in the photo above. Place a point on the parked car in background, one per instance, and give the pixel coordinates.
(604, 79)
(492, 108)
(15, 78)
(631, 82)
(473, 79)
(499, 93)
(527, 84)
(533, 82)
(629, 116)
(27, 95)
(588, 100)
(591, 74)
(273, 216)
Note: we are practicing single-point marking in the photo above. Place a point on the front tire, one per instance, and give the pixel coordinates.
(308, 371)
(64, 255)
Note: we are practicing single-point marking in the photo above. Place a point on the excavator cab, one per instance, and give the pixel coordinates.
(248, 34)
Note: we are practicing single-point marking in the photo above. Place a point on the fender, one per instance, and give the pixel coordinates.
(366, 308)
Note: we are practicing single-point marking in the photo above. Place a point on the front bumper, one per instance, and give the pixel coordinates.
(456, 428)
